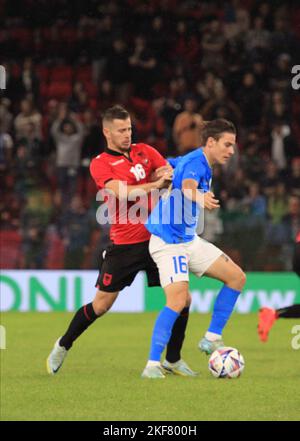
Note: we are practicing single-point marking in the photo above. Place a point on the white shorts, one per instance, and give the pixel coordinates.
(175, 261)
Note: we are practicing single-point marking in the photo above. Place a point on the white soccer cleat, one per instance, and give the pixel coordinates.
(56, 358)
(179, 368)
(155, 371)
(208, 346)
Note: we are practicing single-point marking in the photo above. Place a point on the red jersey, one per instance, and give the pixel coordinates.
(137, 169)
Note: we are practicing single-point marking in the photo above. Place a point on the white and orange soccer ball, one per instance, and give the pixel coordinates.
(226, 362)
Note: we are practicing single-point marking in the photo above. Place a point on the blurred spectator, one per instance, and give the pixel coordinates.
(6, 117)
(14, 89)
(6, 150)
(213, 43)
(158, 38)
(74, 101)
(281, 80)
(271, 178)
(117, 68)
(28, 115)
(213, 226)
(94, 141)
(256, 201)
(238, 186)
(282, 39)
(187, 127)
(34, 248)
(258, 39)
(292, 219)
(29, 79)
(76, 229)
(34, 221)
(278, 204)
(31, 144)
(143, 67)
(249, 97)
(252, 159)
(283, 146)
(221, 106)
(107, 95)
(294, 178)
(68, 135)
(207, 89)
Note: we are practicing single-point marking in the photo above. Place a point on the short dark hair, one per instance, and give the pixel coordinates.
(115, 112)
(216, 128)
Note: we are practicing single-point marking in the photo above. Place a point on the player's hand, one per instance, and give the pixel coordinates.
(165, 180)
(210, 202)
(160, 171)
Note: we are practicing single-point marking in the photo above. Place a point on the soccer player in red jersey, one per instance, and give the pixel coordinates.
(124, 168)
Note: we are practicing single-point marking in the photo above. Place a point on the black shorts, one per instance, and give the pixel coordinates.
(121, 263)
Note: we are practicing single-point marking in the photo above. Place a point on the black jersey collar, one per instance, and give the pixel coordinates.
(114, 153)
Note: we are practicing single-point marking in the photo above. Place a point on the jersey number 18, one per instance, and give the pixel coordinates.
(138, 171)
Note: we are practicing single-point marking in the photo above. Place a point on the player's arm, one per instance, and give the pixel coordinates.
(190, 190)
(170, 165)
(123, 191)
(159, 164)
(104, 178)
(160, 171)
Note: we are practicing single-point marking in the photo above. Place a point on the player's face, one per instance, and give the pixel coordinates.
(118, 134)
(223, 148)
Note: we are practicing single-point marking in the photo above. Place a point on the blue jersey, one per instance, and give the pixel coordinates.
(174, 219)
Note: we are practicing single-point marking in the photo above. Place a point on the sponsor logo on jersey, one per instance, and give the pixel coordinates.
(117, 162)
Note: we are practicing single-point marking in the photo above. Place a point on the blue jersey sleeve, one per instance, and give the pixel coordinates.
(173, 161)
(193, 170)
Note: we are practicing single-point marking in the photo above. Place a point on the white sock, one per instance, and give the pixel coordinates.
(211, 336)
(153, 363)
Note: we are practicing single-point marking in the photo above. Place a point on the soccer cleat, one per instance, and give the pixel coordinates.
(266, 319)
(208, 346)
(179, 368)
(155, 371)
(56, 358)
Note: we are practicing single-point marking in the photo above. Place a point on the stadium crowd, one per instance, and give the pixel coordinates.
(173, 64)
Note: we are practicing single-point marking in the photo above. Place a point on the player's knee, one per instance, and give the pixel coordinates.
(100, 308)
(178, 302)
(238, 279)
(102, 305)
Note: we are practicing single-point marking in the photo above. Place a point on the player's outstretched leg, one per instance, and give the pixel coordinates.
(56, 358)
(266, 319)
(83, 318)
(227, 271)
(268, 316)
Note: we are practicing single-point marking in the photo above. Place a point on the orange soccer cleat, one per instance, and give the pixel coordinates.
(266, 319)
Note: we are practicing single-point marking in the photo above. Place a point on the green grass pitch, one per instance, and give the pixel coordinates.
(100, 379)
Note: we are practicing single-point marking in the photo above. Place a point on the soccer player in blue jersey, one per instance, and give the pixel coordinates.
(177, 249)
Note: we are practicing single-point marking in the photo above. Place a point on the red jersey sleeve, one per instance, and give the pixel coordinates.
(157, 160)
(101, 171)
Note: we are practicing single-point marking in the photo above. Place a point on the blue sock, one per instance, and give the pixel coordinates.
(162, 332)
(223, 308)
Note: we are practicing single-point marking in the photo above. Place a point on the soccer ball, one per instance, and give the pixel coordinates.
(226, 362)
